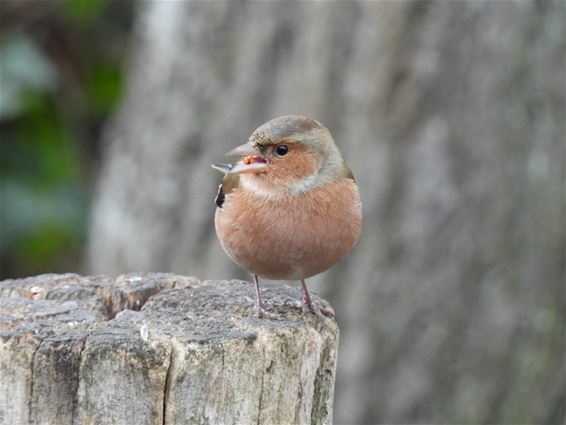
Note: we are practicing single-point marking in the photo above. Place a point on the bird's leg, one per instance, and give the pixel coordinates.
(308, 305)
(259, 305)
(258, 302)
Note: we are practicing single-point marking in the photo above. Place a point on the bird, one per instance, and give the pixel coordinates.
(289, 208)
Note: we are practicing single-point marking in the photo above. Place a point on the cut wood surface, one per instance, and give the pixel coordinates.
(160, 349)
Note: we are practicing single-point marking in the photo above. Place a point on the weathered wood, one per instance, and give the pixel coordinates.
(160, 349)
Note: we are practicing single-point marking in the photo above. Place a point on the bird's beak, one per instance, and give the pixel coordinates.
(252, 160)
(244, 150)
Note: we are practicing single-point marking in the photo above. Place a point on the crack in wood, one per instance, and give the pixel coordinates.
(167, 386)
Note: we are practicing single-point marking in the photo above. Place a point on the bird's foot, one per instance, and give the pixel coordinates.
(261, 312)
(321, 313)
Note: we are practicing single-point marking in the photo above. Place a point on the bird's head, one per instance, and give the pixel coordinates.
(291, 153)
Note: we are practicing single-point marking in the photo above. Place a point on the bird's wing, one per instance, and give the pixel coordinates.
(348, 173)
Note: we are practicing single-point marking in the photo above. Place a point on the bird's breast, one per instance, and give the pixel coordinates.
(293, 237)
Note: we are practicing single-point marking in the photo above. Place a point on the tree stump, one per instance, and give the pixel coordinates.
(160, 349)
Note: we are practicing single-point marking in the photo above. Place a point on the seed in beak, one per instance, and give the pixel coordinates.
(250, 159)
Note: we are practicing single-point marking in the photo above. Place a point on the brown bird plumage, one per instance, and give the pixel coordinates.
(290, 208)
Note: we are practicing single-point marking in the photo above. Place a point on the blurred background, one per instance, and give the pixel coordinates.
(451, 115)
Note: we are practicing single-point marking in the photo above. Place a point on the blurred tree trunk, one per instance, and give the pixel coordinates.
(451, 116)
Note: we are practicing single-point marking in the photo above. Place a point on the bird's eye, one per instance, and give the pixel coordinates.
(282, 150)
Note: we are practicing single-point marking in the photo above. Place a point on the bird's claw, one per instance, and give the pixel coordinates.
(321, 313)
(261, 312)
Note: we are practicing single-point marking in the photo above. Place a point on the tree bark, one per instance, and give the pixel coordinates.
(450, 114)
(160, 349)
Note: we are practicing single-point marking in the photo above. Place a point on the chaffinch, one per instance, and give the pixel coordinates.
(289, 208)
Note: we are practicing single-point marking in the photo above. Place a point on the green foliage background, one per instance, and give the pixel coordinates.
(60, 78)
